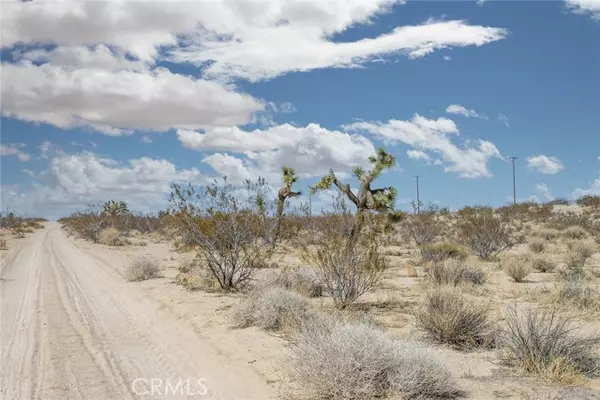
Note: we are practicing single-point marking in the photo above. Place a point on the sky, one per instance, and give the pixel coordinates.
(119, 99)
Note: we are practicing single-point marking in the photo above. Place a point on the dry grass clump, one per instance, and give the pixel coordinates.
(335, 360)
(449, 317)
(301, 279)
(580, 294)
(548, 234)
(142, 268)
(486, 234)
(542, 264)
(574, 232)
(196, 277)
(442, 251)
(454, 272)
(3, 244)
(545, 344)
(518, 268)
(112, 237)
(537, 245)
(575, 260)
(274, 309)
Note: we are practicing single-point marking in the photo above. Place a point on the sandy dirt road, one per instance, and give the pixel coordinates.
(70, 328)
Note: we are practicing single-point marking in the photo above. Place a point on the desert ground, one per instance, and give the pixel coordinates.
(74, 327)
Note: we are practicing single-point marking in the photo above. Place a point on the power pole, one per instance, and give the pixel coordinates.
(418, 198)
(514, 181)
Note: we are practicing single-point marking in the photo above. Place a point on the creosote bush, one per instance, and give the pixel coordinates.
(537, 246)
(335, 360)
(449, 317)
(274, 308)
(423, 227)
(542, 264)
(574, 232)
(545, 344)
(547, 234)
(518, 268)
(112, 237)
(580, 294)
(3, 244)
(486, 234)
(142, 268)
(454, 272)
(300, 279)
(442, 251)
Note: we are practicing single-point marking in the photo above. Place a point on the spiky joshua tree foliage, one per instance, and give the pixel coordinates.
(286, 192)
(380, 200)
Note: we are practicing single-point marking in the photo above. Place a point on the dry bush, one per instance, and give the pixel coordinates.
(518, 268)
(335, 360)
(564, 220)
(18, 231)
(442, 251)
(142, 268)
(112, 237)
(541, 263)
(300, 279)
(537, 245)
(423, 228)
(449, 317)
(196, 277)
(580, 294)
(485, 233)
(454, 272)
(3, 244)
(274, 308)
(575, 259)
(545, 344)
(589, 201)
(548, 234)
(575, 232)
(347, 267)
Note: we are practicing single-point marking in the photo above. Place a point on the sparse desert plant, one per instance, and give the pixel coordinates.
(18, 231)
(486, 234)
(196, 277)
(3, 244)
(274, 308)
(112, 237)
(579, 293)
(541, 263)
(575, 232)
(544, 343)
(142, 268)
(536, 245)
(518, 268)
(300, 279)
(335, 360)
(575, 259)
(548, 234)
(423, 227)
(589, 200)
(454, 272)
(442, 251)
(449, 317)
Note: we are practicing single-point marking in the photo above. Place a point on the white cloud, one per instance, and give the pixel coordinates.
(447, 58)
(14, 149)
(461, 110)
(29, 172)
(593, 189)
(146, 139)
(311, 149)
(503, 119)
(591, 7)
(418, 155)
(545, 165)
(435, 136)
(114, 102)
(544, 191)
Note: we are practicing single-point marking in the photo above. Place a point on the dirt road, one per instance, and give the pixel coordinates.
(71, 328)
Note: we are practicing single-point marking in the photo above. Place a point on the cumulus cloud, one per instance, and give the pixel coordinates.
(593, 189)
(417, 155)
(311, 150)
(544, 191)
(14, 149)
(591, 7)
(115, 102)
(146, 139)
(545, 165)
(435, 135)
(461, 110)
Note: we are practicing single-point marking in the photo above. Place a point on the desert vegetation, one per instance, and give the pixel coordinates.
(360, 293)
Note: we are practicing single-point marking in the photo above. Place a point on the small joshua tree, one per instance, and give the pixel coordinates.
(381, 200)
(115, 208)
(286, 192)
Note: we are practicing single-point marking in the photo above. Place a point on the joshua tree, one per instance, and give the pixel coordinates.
(286, 192)
(115, 208)
(380, 200)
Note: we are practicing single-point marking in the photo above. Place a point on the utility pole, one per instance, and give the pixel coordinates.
(514, 181)
(418, 198)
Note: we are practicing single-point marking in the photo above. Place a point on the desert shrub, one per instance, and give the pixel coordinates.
(542, 264)
(442, 251)
(564, 220)
(558, 202)
(547, 234)
(589, 200)
(518, 268)
(536, 245)
(302, 280)
(142, 268)
(274, 308)
(449, 317)
(454, 272)
(574, 232)
(423, 227)
(18, 231)
(334, 360)
(345, 265)
(579, 293)
(575, 259)
(112, 237)
(3, 244)
(545, 344)
(485, 234)
(196, 277)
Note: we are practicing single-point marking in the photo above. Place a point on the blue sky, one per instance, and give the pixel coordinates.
(182, 92)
